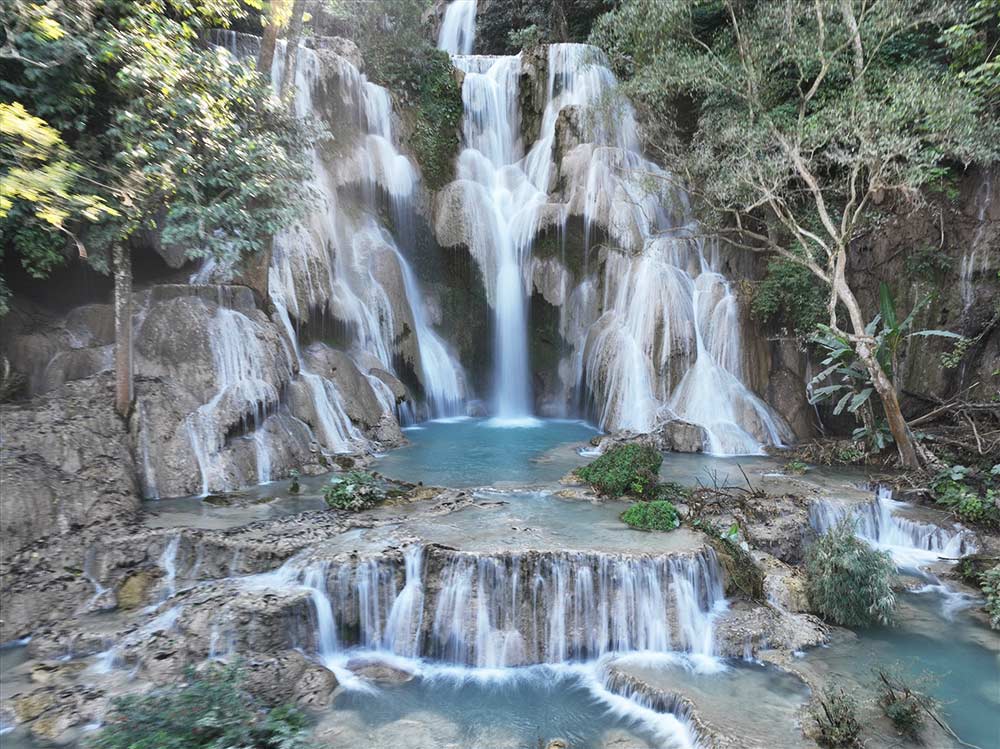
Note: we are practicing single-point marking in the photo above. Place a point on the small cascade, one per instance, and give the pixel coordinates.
(168, 563)
(458, 28)
(912, 544)
(511, 610)
(244, 395)
(967, 267)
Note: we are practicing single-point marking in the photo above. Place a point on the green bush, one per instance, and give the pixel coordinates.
(901, 703)
(990, 584)
(791, 296)
(848, 582)
(206, 711)
(354, 491)
(624, 469)
(657, 515)
(836, 716)
(969, 494)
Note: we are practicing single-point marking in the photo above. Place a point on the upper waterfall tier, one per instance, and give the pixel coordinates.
(650, 326)
(458, 28)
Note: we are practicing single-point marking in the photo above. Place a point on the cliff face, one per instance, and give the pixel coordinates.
(944, 256)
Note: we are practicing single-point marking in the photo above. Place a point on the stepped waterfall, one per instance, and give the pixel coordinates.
(648, 327)
(657, 336)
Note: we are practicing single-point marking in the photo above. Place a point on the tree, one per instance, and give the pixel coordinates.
(811, 116)
(292, 50)
(273, 18)
(182, 139)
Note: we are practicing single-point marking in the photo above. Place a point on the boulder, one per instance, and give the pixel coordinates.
(680, 436)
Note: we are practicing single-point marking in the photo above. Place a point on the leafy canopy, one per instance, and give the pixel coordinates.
(128, 121)
(800, 124)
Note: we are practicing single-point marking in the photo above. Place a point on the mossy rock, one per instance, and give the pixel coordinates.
(624, 469)
(134, 591)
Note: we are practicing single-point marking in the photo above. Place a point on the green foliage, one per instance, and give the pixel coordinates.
(927, 263)
(790, 295)
(973, 45)
(206, 711)
(849, 582)
(399, 56)
(526, 38)
(851, 384)
(971, 495)
(902, 704)
(655, 515)
(836, 715)
(354, 491)
(796, 467)
(990, 584)
(624, 469)
(127, 122)
(500, 24)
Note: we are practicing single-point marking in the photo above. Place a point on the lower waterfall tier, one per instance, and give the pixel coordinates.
(483, 610)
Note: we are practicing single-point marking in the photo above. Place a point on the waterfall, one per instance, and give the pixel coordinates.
(168, 563)
(507, 610)
(501, 202)
(663, 340)
(458, 28)
(343, 260)
(967, 267)
(243, 390)
(912, 544)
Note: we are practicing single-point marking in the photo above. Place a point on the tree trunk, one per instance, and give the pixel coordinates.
(880, 381)
(292, 50)
(269, 39)
(122, 265)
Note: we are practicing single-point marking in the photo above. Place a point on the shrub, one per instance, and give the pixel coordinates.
(206, 711)
(990, 584)
(969, 494)
(657, 515)
(848, 582)
(902, 703)
(624, 469)
(836, 715)
(789, 295)
(796, 467)
(354, 491)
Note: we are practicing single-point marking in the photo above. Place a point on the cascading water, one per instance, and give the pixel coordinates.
(912, 544)
(657, 337)
(349, 263)
(242, 389)
(511, 610)
(458, 28)
(501, 203)
(967, 267)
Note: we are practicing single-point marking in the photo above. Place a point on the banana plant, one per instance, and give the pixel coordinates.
(848, 382)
